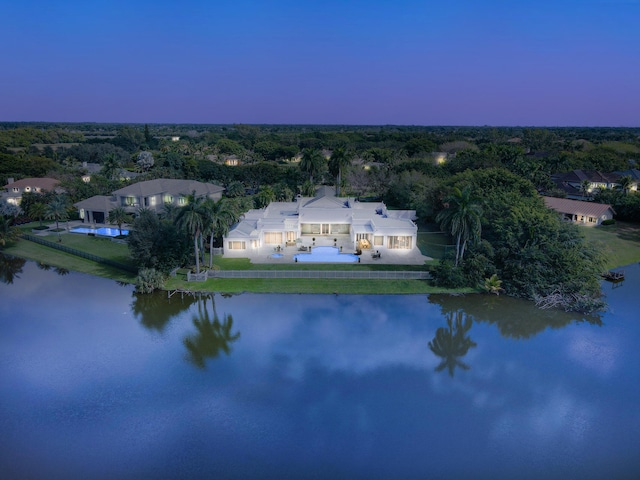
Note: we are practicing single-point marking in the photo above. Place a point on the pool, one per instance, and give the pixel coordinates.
(326, 255)
(276, 255)
(102, 231)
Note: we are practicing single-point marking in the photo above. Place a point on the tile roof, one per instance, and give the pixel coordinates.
(48, 184)
(576, 207)
(170, 186)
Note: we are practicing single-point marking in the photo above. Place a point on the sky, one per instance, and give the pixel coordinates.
(360, 62)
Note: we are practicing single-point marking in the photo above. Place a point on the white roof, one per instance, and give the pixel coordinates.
(364, 217)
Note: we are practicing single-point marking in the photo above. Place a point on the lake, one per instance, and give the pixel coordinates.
(96, 382)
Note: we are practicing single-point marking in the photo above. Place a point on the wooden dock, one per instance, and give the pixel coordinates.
(613, 276)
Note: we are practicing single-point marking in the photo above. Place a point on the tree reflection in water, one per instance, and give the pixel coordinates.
(515, 318)
(155, 310)
(212, 336)
(10, 268)
(452, 343)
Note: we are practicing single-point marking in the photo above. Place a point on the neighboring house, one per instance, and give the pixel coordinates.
(93, 168)
(151, 194)
(583, 213)
(571, 182)
(14, 190)
(232, 161)
(323, 217)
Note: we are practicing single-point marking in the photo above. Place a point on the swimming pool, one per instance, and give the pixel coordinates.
(102, 231)
(325, 255)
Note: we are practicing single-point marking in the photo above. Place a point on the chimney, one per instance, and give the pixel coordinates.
(10, 180)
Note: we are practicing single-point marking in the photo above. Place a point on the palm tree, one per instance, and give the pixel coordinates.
(625, 183)
(311, 162)
(7, 231)
(110, 166)
(212, 336)
(585, 185)
(235, 189)
(493, 284)
(452, 343)
(38, 211)
(57, 210)
(462, 219)
(340, 159)
(192, 218)
(118, 216)
(265, 196)
(220, 216)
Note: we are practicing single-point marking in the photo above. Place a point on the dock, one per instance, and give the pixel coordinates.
(613, 276)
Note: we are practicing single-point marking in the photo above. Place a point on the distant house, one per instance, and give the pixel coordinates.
(323, 218)
(14, 190)
(571, 182)
(583, 213)
(93, 168)
(232, 161)
(151, 194)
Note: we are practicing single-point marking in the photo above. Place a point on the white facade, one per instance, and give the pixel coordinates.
(322, 220)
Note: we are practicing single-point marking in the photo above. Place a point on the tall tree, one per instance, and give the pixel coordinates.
(118, 216)
(462, 219)
(192, 219)
(38, 211)
(311, 162)
(585, 185)
(57, 209)
(340, 159)
(110, 166)
(7, 231)
(220, 216)
(625, 184)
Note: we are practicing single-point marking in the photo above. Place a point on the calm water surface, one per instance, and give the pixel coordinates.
(96, 382)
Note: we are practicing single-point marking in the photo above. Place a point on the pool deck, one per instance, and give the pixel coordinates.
(387, 257)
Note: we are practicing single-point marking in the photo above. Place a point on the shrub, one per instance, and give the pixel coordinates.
(148, 280)
(608, 221)
(445, 274)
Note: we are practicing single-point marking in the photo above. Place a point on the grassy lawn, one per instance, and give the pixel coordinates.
(304, 285)
(620, 242)
(56, 258)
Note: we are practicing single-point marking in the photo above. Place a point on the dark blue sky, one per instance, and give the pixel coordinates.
(410, 62)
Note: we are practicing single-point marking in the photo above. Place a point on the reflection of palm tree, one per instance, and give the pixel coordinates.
(451, 343)
(61, 271)
(155, 310)
(212, 336)
(10, 268)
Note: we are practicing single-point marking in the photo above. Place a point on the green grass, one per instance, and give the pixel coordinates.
(56, 258)
(433, 244)
(620, 242)
(245, 264)
(320, 285)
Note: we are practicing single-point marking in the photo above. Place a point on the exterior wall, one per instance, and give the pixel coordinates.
(586, 220)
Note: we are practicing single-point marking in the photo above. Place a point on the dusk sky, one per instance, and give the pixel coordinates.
(404, 62)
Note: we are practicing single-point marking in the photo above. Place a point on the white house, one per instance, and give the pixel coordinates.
(323, 219)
